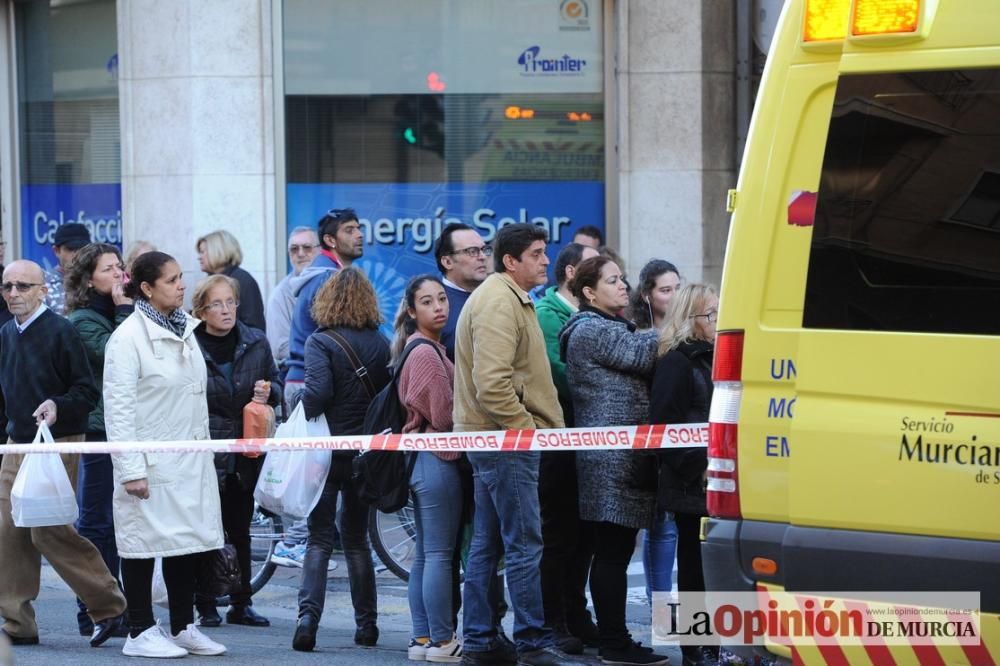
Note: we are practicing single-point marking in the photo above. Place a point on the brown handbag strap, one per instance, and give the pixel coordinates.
(360, 371)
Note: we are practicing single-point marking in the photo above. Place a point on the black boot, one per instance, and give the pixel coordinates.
(305, 634)
(699, 655)
(366, 636)
(586, 631)
(566, 641)
(245, 614)
(208, 616)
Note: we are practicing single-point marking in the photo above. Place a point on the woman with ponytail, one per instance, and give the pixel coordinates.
(659, 280)
(648, 307)
(426, 381)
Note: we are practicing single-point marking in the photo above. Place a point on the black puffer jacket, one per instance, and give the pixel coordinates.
(252, 360)
(333, 389)
(682, 393)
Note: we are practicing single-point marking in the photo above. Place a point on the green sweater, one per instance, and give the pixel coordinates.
(95, 330)
(553, 313)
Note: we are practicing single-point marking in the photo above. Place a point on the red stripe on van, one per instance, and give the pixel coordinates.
(977, 654)
(876, 648)
(833, 655)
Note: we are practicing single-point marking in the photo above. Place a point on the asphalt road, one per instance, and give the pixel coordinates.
(61, 643)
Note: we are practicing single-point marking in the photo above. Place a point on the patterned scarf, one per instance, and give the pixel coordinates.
(176, 323)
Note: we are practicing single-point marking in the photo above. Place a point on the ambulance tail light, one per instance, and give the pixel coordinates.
(723, 493)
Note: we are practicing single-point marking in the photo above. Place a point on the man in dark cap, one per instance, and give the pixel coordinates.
(68, 240)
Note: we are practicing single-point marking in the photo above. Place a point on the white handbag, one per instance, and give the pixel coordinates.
(42, 495)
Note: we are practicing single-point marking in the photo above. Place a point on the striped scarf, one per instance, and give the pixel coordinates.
(175, 323)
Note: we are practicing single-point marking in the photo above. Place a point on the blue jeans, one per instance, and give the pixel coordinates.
(507, 520)
(658, 549)
(95, 487)
(437, 497)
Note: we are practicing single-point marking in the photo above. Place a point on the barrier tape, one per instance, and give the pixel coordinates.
(610, 438)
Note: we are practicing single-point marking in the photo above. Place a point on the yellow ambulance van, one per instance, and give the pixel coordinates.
(855, 424)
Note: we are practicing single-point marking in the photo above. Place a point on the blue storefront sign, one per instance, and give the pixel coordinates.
(402, 221)
(45, 207)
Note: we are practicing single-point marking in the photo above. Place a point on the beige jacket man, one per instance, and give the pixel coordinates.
(502, 375)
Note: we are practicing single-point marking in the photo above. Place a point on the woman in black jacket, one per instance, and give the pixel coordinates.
(239, 365)
(219, 253)
(682, 393)
(346, 363)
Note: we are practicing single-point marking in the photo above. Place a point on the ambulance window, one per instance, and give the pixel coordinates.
(907, 229)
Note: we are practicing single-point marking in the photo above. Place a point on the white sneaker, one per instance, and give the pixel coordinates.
(195, 642)
(331, 565)
(445, 653)
(417, 651)
(152, 643)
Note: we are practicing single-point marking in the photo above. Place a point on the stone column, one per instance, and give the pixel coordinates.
(676, 138)
(197, 129)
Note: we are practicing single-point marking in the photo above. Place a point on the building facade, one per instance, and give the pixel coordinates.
(162, 120)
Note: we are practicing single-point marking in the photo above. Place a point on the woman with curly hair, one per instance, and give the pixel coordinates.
(96, 304)
(346, 310)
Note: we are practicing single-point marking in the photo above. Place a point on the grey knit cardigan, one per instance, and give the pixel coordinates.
(608, 368)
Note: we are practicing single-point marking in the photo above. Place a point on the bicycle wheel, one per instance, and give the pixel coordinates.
(266, 531)
(394, 538)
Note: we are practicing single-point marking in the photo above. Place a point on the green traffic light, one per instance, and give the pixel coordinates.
(410, 137)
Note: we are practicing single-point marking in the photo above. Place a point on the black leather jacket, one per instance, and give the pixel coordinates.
(682, 393)
(252, 360)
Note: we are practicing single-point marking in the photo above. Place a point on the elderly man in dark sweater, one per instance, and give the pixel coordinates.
(44, 375)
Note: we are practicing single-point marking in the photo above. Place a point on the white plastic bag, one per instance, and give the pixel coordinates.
(291, 482)
(159, 586)
(42, 495)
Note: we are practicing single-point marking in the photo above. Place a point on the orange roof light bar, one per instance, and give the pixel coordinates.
(881, 17)
(826, 20)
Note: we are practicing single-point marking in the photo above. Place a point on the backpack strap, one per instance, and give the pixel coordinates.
(360, 371)
(398, 371)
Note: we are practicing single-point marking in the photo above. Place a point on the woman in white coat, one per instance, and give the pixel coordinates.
(165, 504)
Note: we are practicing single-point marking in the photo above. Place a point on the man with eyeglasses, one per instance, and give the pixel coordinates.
(45, 376)
(303, 246)
(341, 243)
(461, 256)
